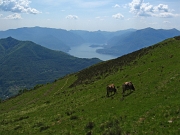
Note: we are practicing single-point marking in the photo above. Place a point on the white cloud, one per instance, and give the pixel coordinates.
(17, 6)
(167, 15)
(14, 16)
(116, 6)
(72, 17)
(161, 7)
(139, 8)
(135, 5)
(146, 7)
(118, 16)
(1, 15)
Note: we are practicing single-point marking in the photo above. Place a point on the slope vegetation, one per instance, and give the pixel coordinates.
(24, 64)
(77, 103)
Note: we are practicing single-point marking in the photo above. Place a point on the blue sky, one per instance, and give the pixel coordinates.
(92, 15)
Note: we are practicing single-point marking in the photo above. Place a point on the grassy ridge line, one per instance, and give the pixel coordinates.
(154, 108)
(104, 68)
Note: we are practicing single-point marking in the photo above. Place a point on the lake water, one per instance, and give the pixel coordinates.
(85, 51)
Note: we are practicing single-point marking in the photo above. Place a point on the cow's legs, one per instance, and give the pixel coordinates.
(107, 93)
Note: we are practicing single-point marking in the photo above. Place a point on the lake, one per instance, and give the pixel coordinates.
(85, 51)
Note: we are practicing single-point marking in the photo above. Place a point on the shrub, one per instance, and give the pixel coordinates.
(43, 128)
(70, 112)
(111, 127)
(90, 125)
(17, 127)
(73, 117)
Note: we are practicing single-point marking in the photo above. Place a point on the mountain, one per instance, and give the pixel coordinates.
(55, 39)
(59, 39)
(77, 103)
(25, 64)
(99, 37)
(115, 43)
(129, 42)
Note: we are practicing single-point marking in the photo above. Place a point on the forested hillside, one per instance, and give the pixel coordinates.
(25, 64)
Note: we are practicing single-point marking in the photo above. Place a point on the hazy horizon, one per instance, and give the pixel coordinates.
(90, 30)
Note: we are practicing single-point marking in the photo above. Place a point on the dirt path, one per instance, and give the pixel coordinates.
(65, 83)
(62, 86)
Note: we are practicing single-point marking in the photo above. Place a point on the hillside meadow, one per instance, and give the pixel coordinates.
(77, 104)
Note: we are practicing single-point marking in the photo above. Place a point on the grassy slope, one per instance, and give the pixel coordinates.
(74, 106)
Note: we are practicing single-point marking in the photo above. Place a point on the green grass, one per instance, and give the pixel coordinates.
(72, 105)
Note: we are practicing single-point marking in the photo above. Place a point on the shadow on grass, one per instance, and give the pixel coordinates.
(111, 95)
(127, 94)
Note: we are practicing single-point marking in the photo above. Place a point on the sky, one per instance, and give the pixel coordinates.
(91, 15)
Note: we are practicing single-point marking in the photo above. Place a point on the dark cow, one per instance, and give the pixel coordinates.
(127, 86)
(111, 88)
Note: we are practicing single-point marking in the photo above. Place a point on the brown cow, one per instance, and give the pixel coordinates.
(127, 86)
(111, 88)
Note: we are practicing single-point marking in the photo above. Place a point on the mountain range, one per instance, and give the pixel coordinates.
(55, 39)
(100, 37)
(129, 42)
(25, 64)
(115, 43)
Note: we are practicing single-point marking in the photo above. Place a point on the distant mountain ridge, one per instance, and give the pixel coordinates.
(115, 43)
(60, 39)
(100, 37)
(25, 64)
(136, 40)
(55, 39)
